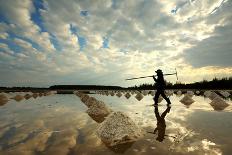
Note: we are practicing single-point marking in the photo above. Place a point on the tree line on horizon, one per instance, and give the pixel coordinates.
(223, 83)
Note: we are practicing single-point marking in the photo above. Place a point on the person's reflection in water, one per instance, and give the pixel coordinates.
(161, 124)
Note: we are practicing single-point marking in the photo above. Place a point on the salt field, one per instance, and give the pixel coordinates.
(50, 123)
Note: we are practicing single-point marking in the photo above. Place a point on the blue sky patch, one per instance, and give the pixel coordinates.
(82, 42)
(84, 13)
(105, 43)
(36, 17)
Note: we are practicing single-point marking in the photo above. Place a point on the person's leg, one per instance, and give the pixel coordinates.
(165, 97)
(157, 94)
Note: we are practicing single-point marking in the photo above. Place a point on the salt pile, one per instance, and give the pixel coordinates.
(207, 93)
(98, 111)
(145, 92)
(197, 92)
(187, 100)
(152, 93)
(127, 95)
(3, 98)
(212, 95)
(190, 93)
(18, 98)
(179, 92)
(118, 128)
(224, 93)
(218, 103)
(84, 98)
(139, 96)
(119, 94)
(90, 101)
(169, 92)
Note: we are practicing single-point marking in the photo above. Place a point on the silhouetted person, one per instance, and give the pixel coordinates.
(160, 85)
(161, 124)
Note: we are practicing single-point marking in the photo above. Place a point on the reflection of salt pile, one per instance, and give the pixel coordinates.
(139, 96)
(160, 99)
(112, 93)
(3, 99)
(27, 96)
(127, 95)
(118, 128)
(224, 93)
(119, 94)
(218, 103)
(35, 95)
(187, 100)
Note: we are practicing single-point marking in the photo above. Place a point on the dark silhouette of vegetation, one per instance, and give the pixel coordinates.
(85, 87)
(224, 83)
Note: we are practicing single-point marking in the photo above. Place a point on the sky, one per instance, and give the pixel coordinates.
(103, 42)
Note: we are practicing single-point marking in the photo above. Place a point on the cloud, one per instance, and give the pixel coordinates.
(111, 40)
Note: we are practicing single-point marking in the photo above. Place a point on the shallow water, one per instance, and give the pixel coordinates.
(58, 124)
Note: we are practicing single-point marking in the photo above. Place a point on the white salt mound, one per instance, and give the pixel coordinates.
(207, 93)
(90, 101)
(224, 93)
(98, 111)
(145, 92)
(197, 92)
(187, 100)
(118, 128)
(169, 92)
(84, 98)
(119, 94)
(212, 95)
(218, 103)
(127, 95)
(190, 93)
(139, 96)
(77, 93)
(3, 98)
(179, 92)
(152, 93)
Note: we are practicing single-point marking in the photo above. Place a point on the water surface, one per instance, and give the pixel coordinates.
(58, 124)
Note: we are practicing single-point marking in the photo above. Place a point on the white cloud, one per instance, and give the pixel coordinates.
(143, 36)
